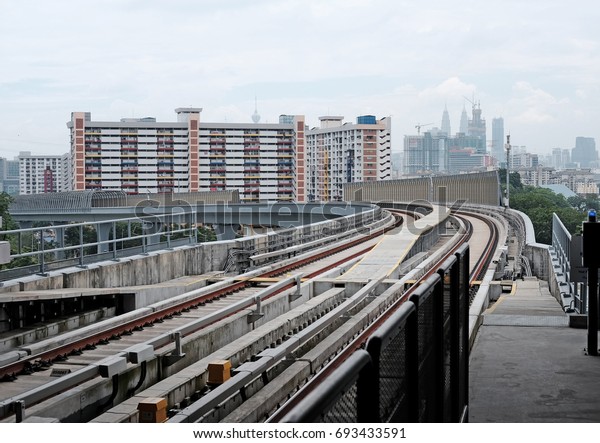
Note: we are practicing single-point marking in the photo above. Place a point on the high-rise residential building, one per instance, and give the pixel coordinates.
(265, 162)
(40, 174)
(584, 153)
(339, 153)
(498, 139)
(446, 122)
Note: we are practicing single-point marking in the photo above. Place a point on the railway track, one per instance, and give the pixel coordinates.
(241, 292)
(161, 324)
(362, 338)
(365, 319)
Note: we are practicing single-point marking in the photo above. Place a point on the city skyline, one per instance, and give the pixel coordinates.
(534, 64)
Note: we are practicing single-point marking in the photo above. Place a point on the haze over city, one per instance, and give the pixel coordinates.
(533, 63)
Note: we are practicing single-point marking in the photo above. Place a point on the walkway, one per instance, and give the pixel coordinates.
(528, 366)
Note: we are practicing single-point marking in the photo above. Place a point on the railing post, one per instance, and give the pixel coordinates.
(412, 364)
(591, 260)
(370, 401)
(367, 394)
(438, 349)
(42, 255)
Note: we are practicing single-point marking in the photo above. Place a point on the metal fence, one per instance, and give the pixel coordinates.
(414, 367)
(570, 274)
(95, 241)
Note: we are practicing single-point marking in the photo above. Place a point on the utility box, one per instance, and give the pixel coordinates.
(219, 371)
(153, 410)
(591, 244)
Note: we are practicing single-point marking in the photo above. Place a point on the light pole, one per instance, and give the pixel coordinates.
(507, 169)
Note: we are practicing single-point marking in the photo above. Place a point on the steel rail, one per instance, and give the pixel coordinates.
(46, 357)
(360, 341)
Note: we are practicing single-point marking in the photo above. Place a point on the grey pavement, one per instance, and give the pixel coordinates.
(528, 366)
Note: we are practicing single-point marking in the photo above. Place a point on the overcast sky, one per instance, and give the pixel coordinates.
(534, 63)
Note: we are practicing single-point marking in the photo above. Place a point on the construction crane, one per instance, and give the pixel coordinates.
(419, 126)
(473, 104)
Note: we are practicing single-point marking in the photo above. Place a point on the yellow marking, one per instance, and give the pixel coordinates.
(403, 256)
(500, 299)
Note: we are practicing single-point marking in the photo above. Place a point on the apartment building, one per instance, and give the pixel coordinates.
(265, 162)
(339, 153)
(40, 174)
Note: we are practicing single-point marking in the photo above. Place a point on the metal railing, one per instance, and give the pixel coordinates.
(79, 244)
(570, 276)
(414, 367)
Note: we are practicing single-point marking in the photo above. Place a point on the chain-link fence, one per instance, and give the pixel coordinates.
(415, 366)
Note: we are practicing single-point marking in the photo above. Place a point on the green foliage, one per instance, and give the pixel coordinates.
(514, 180)
(586, 203)
(7, 222)
(540, 203)
(206, 234)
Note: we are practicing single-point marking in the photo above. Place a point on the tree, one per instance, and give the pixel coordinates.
(7, 222)
(585, 203)
(539, 204)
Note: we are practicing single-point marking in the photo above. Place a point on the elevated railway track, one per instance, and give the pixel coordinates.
(277, 325)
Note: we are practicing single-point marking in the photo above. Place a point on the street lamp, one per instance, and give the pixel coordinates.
(507, 169)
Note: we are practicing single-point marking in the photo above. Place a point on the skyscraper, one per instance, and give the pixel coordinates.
(498, 139)
(446, 122)
(464, 122)
(584, 153)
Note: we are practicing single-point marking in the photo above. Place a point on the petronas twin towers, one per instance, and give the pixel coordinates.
(464, 121)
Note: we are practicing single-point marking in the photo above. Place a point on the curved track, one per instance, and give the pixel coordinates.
(241, 292)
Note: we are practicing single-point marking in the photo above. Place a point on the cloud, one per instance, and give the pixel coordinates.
(451, 88)
(536, 65)
(534, 105)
